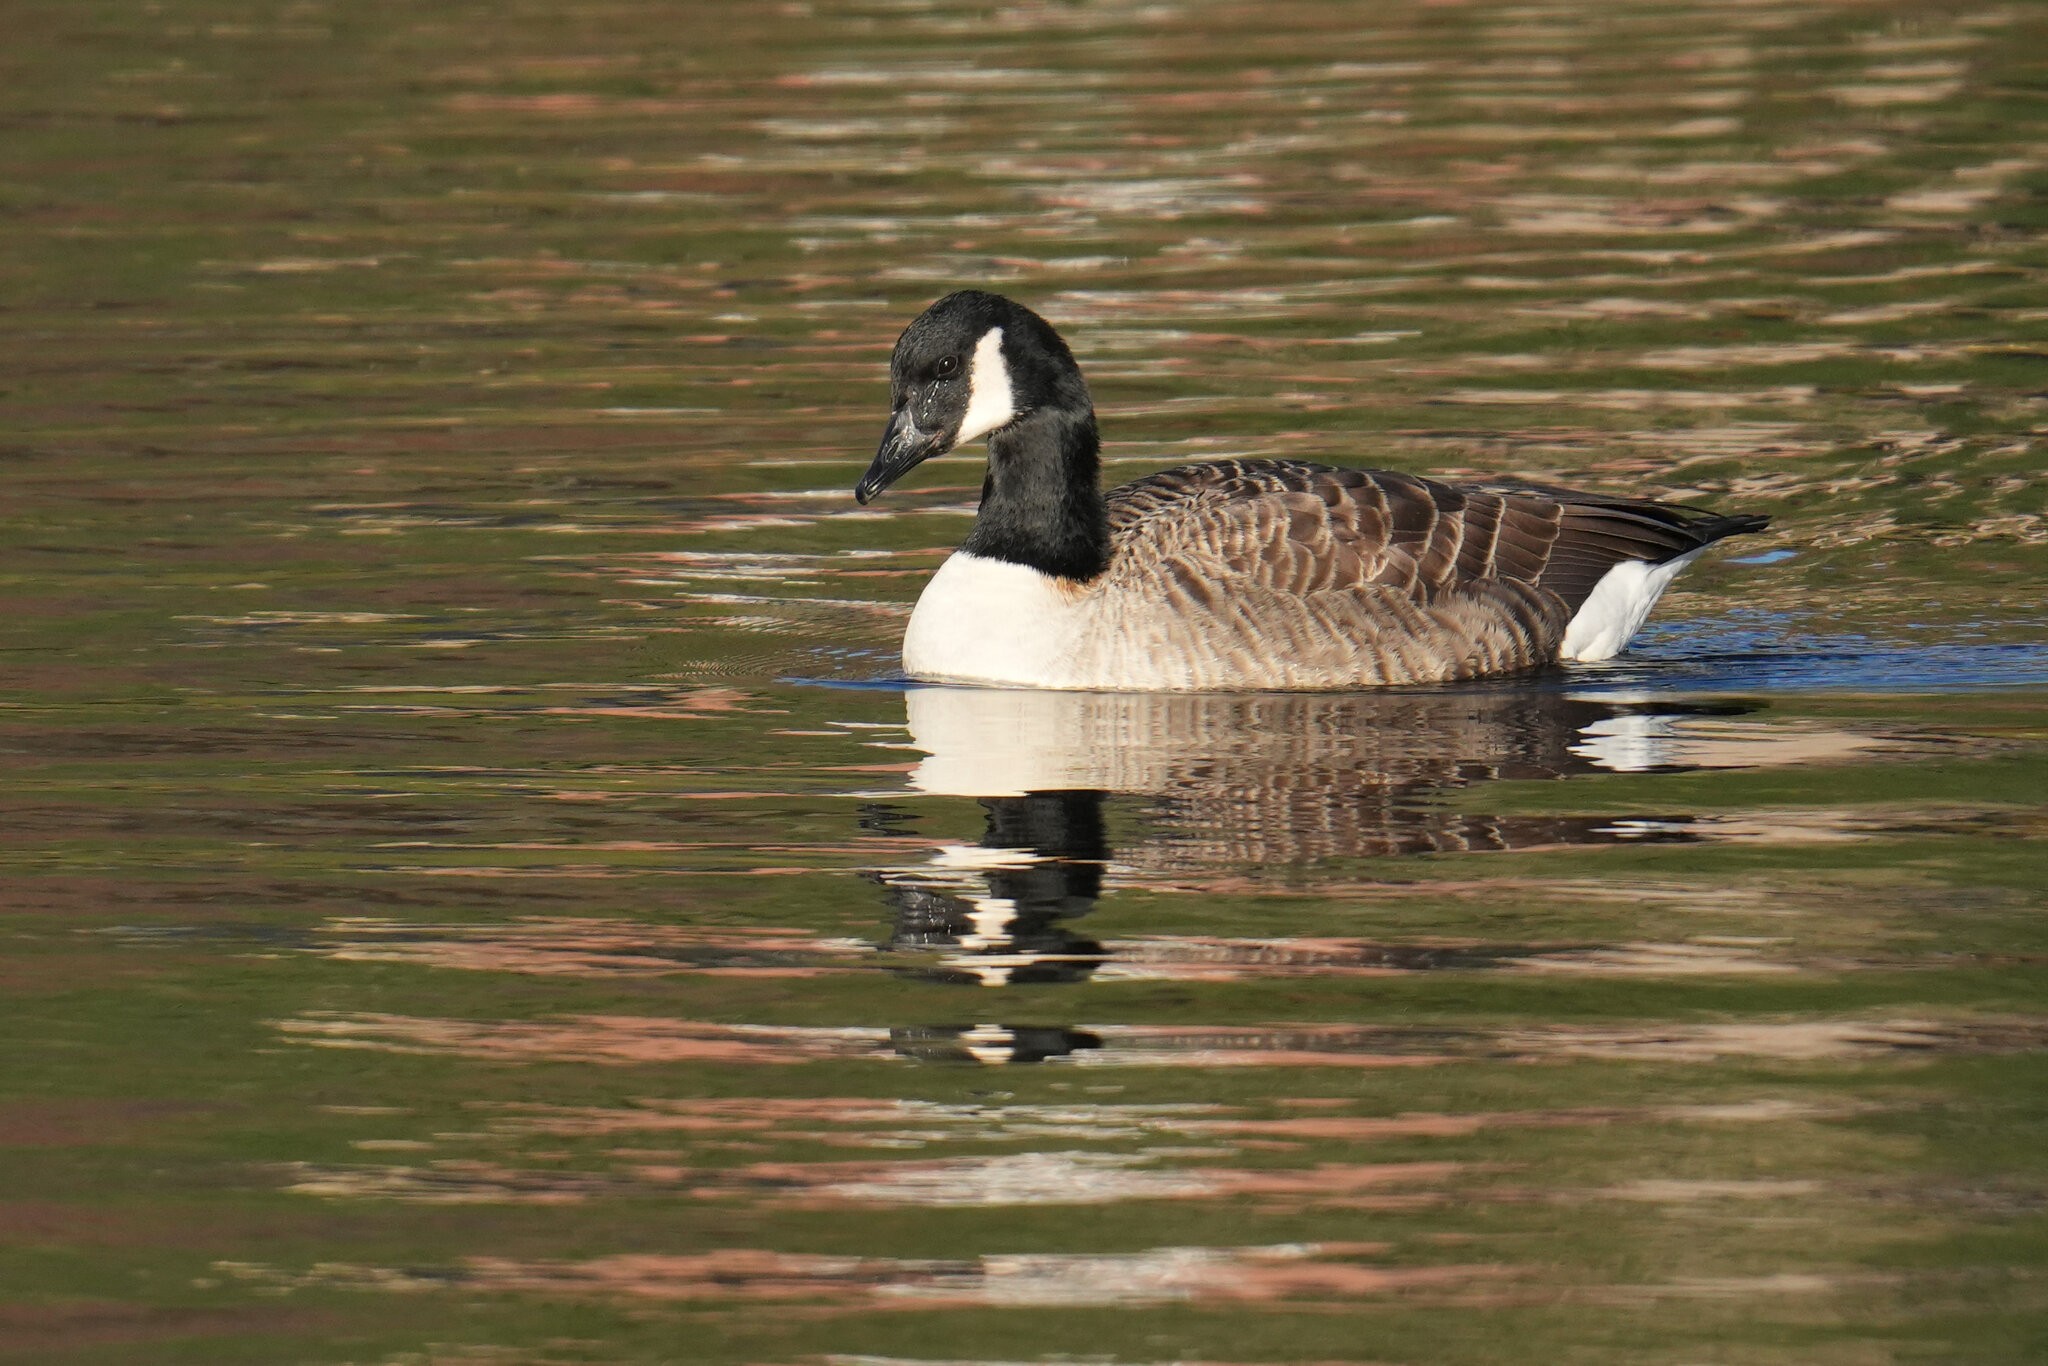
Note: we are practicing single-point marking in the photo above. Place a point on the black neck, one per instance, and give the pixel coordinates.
(1040, 505)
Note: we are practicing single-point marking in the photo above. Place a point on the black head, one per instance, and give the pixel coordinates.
(971, 365)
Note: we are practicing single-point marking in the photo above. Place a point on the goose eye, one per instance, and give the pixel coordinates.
(947, 367)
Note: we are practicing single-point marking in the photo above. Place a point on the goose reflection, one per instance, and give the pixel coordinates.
(1231, 786)
(992, 913)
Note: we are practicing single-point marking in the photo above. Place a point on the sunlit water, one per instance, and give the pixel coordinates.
(478, 888)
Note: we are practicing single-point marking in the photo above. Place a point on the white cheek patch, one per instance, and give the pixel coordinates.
(989, 402)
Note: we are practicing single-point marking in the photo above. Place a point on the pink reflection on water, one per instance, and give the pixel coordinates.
(1306, 1273)
(619, 1040)
(634, 1040)
(590, 947)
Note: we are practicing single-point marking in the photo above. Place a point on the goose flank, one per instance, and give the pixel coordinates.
(1239, 574)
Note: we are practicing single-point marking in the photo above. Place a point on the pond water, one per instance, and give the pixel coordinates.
(477, 889)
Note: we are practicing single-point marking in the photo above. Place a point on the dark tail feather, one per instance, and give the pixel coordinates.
(1597, 534)
(1740, 525)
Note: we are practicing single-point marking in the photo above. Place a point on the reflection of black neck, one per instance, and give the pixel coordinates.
(1040, 503)
(1016, 930)
(1055, 824)
(1065, 830)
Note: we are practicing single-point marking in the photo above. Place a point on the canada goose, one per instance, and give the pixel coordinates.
(1238, 574)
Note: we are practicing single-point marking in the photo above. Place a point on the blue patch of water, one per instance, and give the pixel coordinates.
(1747, 652)
(1769, 652)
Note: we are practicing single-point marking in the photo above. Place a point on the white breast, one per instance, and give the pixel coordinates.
(990, 621)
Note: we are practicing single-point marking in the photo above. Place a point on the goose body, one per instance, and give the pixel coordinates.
(1239, 574)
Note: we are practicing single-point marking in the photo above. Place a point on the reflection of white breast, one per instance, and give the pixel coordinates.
(989, 621)
(991, 742)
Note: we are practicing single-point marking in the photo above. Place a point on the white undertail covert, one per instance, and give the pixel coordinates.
(1619, 605)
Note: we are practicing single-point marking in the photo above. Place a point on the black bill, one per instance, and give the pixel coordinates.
(905, 446)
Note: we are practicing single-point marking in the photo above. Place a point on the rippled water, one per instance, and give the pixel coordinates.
(478, 890)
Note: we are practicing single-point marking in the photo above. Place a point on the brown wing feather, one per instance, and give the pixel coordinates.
(1489, 572)
(1308, 528)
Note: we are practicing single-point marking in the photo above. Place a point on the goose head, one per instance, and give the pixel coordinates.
(970, 366)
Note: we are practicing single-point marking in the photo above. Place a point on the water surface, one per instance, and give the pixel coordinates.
(477, 889)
